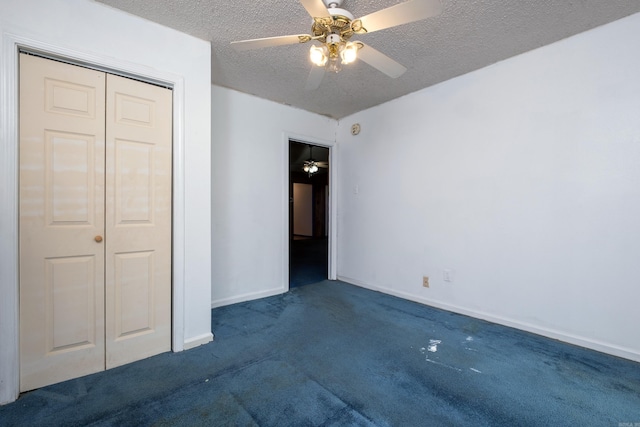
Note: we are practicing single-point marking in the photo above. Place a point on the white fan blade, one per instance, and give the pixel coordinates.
(315, 8)
(269, 42)
(402, 13)
(380, 61)
(315, 77)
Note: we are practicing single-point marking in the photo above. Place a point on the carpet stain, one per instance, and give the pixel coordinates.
(433, 345)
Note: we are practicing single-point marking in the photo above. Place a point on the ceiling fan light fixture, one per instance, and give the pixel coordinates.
(334, 65)
(333, 27)
(310, 167)
(349, 52)
(318, 55)
(333, 48)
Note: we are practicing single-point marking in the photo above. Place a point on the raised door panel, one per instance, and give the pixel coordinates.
(134, 286)
(134, 182)
(138, 221)
(61, 212)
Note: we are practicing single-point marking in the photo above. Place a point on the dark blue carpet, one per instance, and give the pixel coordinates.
(334, 354)
(309, 262)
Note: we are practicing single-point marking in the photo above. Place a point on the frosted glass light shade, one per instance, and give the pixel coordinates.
(334, 65)
(349, 53)
(318, 56)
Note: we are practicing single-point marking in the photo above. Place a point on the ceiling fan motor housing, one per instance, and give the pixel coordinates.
(336, 12)
(332, 3)
(338, 24)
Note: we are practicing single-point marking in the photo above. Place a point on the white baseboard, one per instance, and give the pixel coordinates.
(614, 350)
(198, 341)
(247, 297)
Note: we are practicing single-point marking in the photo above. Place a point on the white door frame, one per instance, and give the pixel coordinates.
(333, 198)
(9, 170)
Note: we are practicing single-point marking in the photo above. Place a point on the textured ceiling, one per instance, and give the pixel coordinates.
(468, 35)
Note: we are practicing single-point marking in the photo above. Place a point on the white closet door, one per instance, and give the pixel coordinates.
(95, 221)
(138, 220)
(61, 221)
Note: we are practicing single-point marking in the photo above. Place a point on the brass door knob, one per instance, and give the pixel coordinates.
(98, 239)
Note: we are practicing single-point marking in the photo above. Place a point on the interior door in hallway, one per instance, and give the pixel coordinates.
(95, 221)
(302, 209)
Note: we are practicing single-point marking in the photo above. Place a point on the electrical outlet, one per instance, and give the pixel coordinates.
(425, 281)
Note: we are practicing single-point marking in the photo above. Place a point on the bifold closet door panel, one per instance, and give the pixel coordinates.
(61, 225)
(95, 221)
(138, 220)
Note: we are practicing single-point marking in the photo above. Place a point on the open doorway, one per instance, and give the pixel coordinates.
(308, 213)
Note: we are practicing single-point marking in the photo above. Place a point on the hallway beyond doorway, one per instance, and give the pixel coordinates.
(309, 261)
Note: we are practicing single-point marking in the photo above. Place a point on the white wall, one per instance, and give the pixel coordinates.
(97, 34)
(522, 178)
(250, 191)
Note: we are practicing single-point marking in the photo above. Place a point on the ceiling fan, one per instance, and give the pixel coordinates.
(334, 27)
(312, 166)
